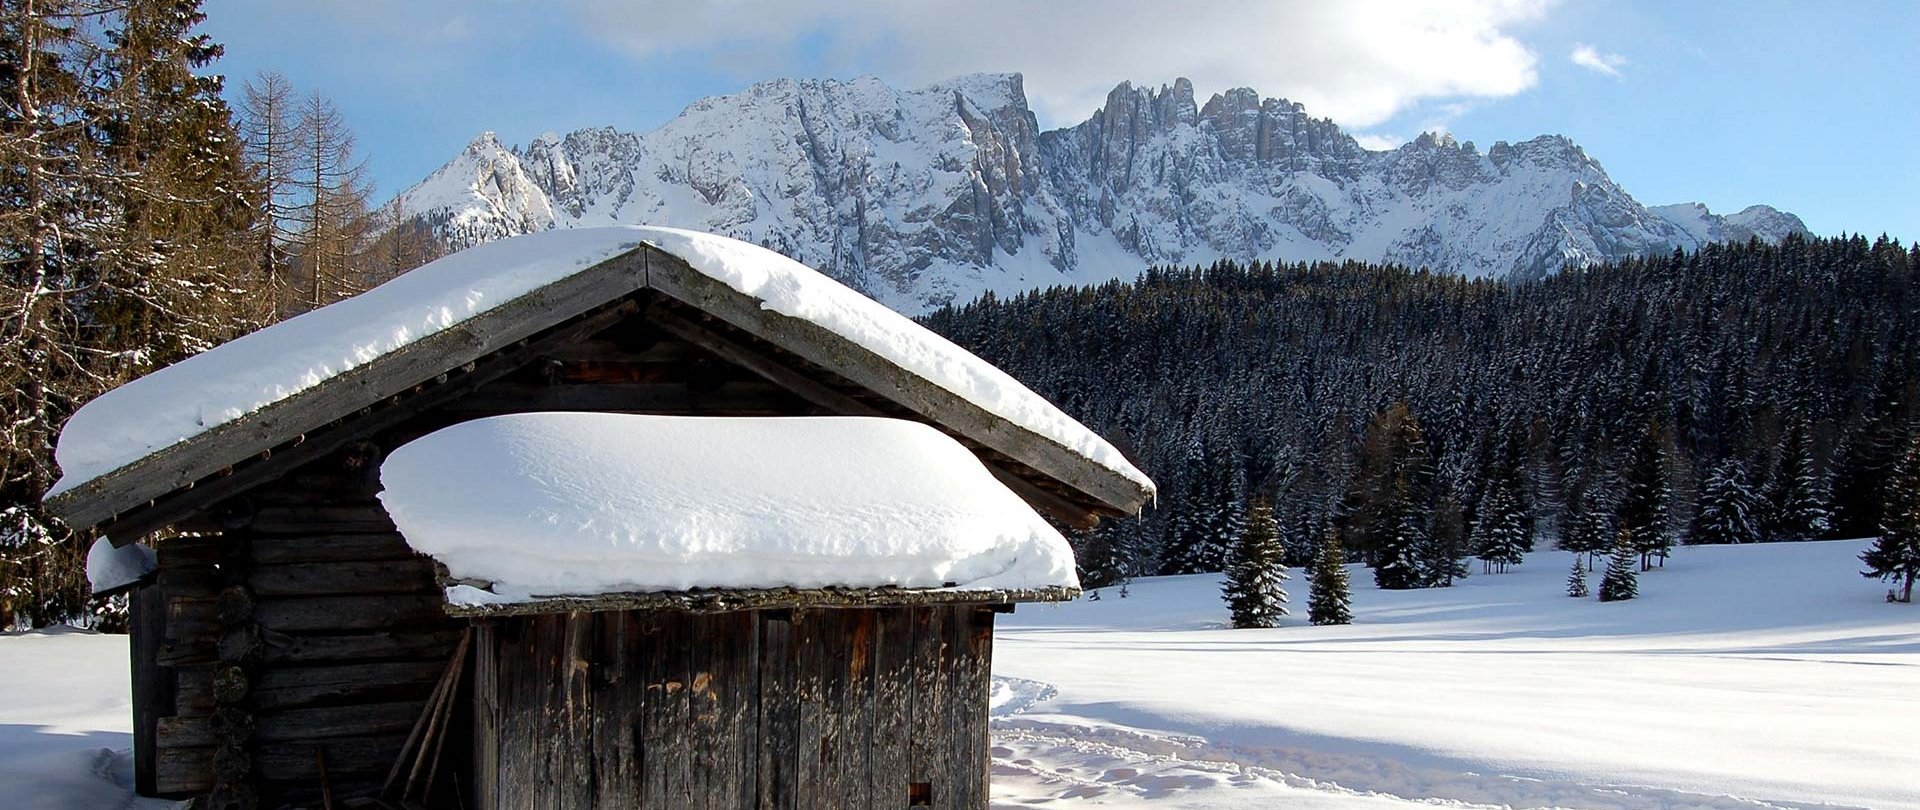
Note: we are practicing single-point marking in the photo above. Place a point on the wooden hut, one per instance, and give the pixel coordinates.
(292, 650)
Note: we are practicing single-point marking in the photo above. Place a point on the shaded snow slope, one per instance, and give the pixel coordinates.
(66, 723)
(1771, 674)
(249, 373)
(573, 504)
(938, 194)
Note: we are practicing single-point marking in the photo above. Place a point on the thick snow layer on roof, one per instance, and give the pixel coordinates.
(190, 397)
(791, 288)
(109, 567)
(576, 504)
(248, 373)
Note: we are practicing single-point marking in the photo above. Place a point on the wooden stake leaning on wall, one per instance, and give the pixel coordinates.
(326, 786)
(430, 730)
(450, 700)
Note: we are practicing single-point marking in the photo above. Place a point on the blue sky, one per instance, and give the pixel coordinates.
(1810, 108)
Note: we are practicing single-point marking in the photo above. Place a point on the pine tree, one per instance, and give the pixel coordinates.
(1727, 507)
(1331, 599)
(1390, 490)
(1621, 581)
(1895, 556)
(1401, 534)
(1255, 588)
(1799, 498)
(1589, 528)
(127, 206)
(1646, 504)
(1499, 536)
(1577, 579)
(1442, 559)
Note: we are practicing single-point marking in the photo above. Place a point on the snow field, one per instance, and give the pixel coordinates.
(1755, 676)
(1767, 677)
(66, 723)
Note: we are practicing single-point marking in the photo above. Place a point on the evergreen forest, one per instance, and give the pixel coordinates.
(1441, 427)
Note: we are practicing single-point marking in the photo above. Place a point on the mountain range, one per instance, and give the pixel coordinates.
(932, 196)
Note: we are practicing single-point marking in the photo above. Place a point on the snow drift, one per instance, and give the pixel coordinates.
(572, 504)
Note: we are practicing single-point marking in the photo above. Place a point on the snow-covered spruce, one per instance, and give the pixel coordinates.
(1577, 579)
(251, 372)
(1330, 601)
(1255, 589)
(1646, 505)
(1728, 507)
(1895, 556)
(1801, 498)
(1499, 536)
(578, 504)
(1621, 582)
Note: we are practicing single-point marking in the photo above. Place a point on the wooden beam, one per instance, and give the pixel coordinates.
(822, 347)
(820, 394)
(679, 397)
(394, 373)
(721, 600)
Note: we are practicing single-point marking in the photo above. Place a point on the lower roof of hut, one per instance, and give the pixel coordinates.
(551, 512)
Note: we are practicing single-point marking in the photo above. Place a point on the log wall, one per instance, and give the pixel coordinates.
(307, 630)
(837, 708)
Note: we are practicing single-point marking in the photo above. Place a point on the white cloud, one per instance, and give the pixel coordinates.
(1360, 62)
(1378, 142)
(1592, 59)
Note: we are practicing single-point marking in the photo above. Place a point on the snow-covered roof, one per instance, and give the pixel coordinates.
(245, 375)
(544, 505)
(130, 445)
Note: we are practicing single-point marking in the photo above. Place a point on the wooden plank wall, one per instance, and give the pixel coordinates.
(311, 627)
(840, 708)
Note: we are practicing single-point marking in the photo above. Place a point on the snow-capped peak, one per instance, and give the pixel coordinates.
(933, 195)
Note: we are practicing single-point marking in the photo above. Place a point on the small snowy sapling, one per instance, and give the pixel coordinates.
(1621, 581)
(1577, 580)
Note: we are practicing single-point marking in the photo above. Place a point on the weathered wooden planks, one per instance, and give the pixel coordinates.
(890, 747)
(841, 708)
(355, 612)
(153, 684)
(320, 547)
(337, 578)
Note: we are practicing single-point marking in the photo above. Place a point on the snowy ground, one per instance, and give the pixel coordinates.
(66, 723)
(1744, 677)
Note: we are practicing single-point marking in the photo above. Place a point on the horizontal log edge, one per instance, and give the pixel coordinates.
(721, 600)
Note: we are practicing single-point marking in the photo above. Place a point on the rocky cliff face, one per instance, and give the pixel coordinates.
(922, 197)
